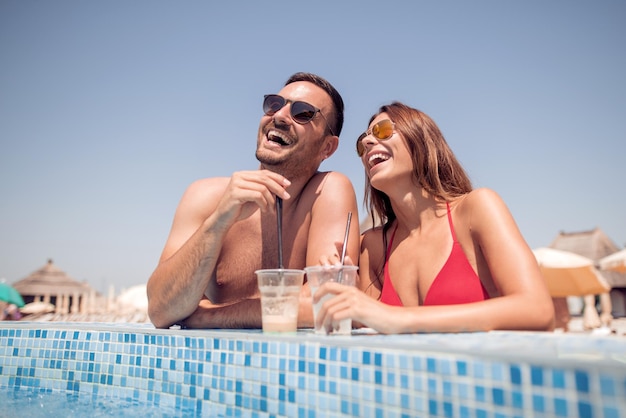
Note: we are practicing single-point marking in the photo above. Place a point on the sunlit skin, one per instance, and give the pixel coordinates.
(225, 228)
(487, 233)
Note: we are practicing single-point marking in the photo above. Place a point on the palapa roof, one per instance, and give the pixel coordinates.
(52, 281)
(593, 244)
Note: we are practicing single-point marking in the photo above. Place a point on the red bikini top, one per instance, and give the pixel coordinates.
(456, 282)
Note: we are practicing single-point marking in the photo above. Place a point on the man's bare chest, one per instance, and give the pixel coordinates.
(249, 246)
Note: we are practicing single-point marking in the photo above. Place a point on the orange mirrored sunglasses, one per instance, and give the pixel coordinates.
(382, 131)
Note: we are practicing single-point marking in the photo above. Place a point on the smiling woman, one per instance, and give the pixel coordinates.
(445, 257)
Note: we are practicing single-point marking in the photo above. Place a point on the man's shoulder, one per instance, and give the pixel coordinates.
(331, 174)
(206, 187)
(329, 179)
(328, 190)
(209, 183)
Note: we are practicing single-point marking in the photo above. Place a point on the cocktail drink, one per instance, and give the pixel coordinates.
(280, 298)
(318, 275)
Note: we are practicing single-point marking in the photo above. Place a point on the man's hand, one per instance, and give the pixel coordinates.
(248, 191)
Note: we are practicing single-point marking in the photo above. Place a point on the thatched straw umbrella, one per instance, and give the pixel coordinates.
(52, 285)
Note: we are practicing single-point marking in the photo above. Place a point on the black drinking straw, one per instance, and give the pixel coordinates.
(279, 224)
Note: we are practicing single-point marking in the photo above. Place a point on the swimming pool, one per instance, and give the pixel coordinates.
(248, 373)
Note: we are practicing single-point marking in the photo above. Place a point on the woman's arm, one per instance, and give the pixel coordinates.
(524, 302)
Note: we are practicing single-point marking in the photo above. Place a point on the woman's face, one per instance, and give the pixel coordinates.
(385, 156)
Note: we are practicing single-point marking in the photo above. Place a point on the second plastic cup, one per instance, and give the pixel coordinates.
(317, 276)
(280, 298)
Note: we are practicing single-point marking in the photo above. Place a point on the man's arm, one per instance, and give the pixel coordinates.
(188, 261)
(242, 314)
(328, 226)
(189, 257)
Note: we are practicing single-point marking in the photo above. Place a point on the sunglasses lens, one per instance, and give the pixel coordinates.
(302, 112)
(360, 148)
(383, 129)
(272, 104)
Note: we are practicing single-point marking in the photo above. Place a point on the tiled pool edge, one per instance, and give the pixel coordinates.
(248, 373)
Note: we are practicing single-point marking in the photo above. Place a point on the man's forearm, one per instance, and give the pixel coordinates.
(242, 314)
(178, 284)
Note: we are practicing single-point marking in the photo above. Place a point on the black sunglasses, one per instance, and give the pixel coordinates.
(382, 131)
(301, 112)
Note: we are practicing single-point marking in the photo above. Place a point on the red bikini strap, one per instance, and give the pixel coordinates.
(450, 222)
(393, 234)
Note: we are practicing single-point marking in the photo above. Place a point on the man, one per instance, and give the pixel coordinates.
(225, 228)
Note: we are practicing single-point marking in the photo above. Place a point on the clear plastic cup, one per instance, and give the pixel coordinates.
(318, 275)
(280, 298)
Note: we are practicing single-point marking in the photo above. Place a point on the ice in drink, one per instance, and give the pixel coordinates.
(345, 325)
(318, 275)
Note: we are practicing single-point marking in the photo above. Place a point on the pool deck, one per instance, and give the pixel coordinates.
(249, 373)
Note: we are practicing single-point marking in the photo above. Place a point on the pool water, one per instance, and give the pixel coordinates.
(44, 403)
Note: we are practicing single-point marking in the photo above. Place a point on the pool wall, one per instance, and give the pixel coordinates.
(248, 373)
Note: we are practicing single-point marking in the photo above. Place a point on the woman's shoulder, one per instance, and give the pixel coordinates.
(373, 232)
(373, 237)
(484, 207)
(479, 198)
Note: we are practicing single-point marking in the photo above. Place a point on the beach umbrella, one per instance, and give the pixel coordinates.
(614, 262)
(9, 295)
(569, 274)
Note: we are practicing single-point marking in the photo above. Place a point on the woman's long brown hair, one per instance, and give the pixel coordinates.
(435, 168)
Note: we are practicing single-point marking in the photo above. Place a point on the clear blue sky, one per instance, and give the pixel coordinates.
(109, 109)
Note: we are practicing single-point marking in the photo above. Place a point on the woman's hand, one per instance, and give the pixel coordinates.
(350, 302)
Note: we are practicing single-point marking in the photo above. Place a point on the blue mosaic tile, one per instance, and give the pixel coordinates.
(611, 412)
(431, 365)
(538, 403)
(463, 391)
(479, 369)
(498, 396)
(585, 410)
(239, 375)
(560, 407)
(516, 375)
(497, 372)
(582, 382)
(558, 378)
(536, 376)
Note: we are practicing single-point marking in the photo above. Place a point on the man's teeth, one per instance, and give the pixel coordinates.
(275, 137)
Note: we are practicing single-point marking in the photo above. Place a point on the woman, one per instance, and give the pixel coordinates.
(447, 258)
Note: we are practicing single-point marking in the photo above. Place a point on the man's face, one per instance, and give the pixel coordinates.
(289, 147)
